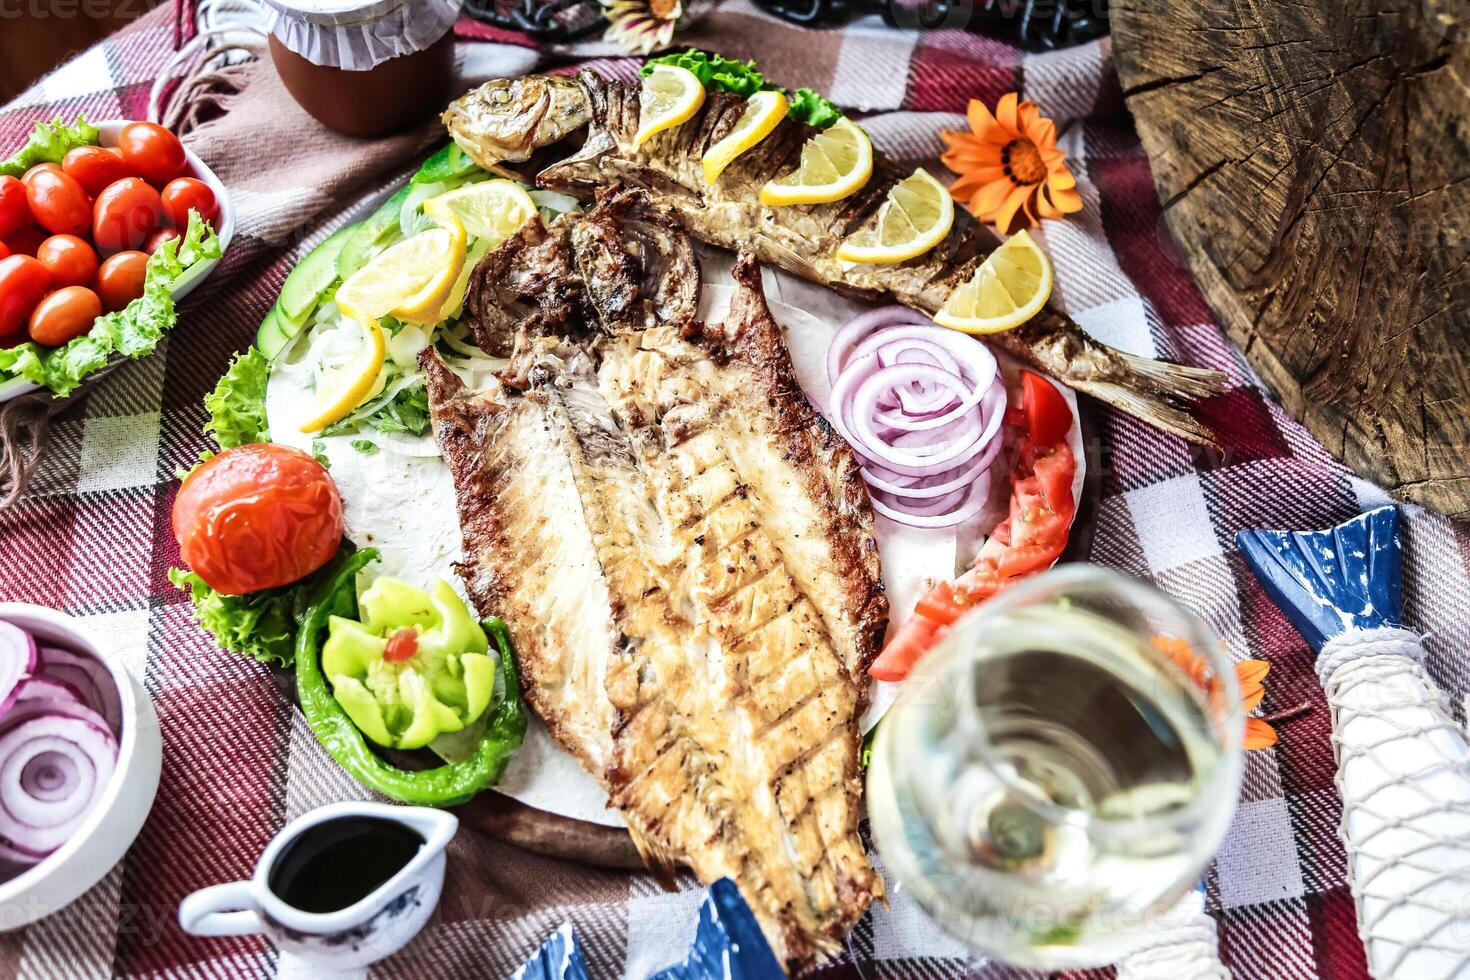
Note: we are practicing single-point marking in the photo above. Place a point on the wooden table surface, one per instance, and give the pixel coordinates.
(38, 35)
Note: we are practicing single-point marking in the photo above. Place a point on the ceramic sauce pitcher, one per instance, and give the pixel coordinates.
(342, 886)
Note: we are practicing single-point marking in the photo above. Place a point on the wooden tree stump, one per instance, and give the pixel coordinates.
(1313, 160)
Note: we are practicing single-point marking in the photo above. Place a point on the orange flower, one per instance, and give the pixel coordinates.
(1251, 674)
(1011, 171)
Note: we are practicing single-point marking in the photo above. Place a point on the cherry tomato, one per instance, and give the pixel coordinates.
(23, 284)
(69, 260)
(1048, 418)
(41, 168)
(185, 193)
(59, 203)
(15, 213)
(125, 215)
(152, 152)
(27, 241)
(94, 167)
(156, 240)
(120, 279)
(4, 252)
(65, 314)
(257, 516)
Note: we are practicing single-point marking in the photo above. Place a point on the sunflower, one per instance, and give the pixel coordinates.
(1251, 674)
(1011, 172)
(642, 26)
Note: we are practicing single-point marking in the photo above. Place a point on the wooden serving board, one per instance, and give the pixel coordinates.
(1313, 160)
(509, 820)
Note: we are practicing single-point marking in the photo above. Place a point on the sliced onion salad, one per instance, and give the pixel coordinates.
(60, 716)
(922, 407)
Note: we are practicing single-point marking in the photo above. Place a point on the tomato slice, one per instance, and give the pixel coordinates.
(1048, 419)
(940, 605)
(1028, 541)
(912, 641)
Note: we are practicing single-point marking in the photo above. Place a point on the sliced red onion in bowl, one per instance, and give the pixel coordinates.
(922, 406)
(60, 720)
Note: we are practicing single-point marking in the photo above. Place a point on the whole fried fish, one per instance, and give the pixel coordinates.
(682, 549)
(509, 122)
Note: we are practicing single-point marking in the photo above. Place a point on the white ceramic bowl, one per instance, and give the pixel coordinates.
(108, 831)
(225, 228)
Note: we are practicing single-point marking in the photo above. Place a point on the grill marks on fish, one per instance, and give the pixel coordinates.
(705, 654)
(801, 239)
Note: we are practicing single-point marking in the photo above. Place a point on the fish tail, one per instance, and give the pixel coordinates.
(1326, 582)
(1167, 378)
(1157, 410)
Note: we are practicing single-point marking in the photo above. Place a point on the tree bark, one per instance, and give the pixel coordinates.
(1313, 160)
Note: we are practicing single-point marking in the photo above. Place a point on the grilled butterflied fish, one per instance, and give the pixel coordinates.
(509, 123)
(683, 551)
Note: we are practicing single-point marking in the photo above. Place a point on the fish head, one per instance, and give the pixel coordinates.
(506, 120)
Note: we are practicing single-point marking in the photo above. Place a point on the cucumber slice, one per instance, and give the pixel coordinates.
(272, 337)
(411, 217)
(370, 233)
(303, 288)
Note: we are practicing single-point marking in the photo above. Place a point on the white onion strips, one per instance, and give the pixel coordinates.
(59, 720)
(922, 406)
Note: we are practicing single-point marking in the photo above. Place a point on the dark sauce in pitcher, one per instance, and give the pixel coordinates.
(340, 862)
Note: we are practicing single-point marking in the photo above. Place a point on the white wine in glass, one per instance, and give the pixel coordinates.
(1059, 769)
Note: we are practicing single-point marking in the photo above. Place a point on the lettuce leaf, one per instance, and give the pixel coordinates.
(236, 407)
(812, 109)
(48, 144)
(718, 73)
(258, 624)
(133, 331)
(715, 71)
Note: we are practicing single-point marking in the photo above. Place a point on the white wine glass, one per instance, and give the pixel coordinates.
(1059, 769)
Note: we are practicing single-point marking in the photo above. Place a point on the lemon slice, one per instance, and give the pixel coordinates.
(343, 389)
(492, 209)
(763, 113)
(834, 163)
(411, 280)
(915, 217)
(670, 96)
(1009, 288)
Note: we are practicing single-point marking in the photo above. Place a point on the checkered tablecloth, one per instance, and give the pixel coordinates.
(93, 538)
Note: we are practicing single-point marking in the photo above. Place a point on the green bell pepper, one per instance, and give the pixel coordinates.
(446, 785)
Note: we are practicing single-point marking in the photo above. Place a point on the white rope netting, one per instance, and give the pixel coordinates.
(1403, 772)
(1181, 945)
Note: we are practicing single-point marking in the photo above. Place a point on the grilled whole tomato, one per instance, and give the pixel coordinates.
(256, 517)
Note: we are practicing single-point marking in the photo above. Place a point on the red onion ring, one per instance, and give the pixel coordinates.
(17, 662)
(52, 769)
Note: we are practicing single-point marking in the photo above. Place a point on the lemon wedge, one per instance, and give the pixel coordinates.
(1009, 288)
(915, 217)
(492, 209)
(763, 113)
(411, 280)
(834, 163)
(343, 389)
(670, 96)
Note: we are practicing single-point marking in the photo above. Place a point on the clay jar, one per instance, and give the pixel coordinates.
(365, 68)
